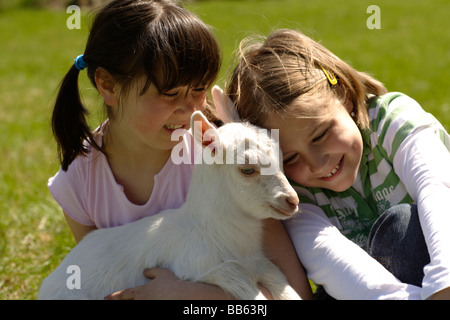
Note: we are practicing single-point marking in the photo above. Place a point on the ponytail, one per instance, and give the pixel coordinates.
(69, 123)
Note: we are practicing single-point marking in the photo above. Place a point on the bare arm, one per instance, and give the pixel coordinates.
(78, 230)
(281, 251)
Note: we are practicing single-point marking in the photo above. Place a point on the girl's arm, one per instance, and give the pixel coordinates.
(423, 164)
(345, 270)
(280, 250)
(79, 230)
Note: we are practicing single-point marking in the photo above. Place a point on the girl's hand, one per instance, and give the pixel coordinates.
(163, 286)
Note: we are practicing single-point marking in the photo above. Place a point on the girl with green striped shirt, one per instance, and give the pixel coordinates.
(372, 170)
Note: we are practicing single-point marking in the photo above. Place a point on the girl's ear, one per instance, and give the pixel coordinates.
(205, 134)
(106, 85)
(349, 106)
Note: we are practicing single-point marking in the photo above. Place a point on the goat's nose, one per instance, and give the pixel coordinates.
(292, 201)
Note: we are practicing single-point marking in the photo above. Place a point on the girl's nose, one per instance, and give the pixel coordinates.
(186, 104)
(316, 162)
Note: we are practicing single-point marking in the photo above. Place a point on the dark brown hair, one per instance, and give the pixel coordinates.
(131, 39)
(271, 73)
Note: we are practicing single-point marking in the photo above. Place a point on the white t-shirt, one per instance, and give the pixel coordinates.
(89, 193)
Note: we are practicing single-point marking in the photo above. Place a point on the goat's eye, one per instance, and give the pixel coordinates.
(248, 171)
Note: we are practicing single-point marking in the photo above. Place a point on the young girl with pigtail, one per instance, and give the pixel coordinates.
(152, 62)
(371, 169)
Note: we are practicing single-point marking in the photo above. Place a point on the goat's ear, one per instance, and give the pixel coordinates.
(203, 131)
(224, 106)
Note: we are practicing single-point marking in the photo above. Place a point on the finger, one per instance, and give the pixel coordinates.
(127, 294)
(150, 273)
(158, 272)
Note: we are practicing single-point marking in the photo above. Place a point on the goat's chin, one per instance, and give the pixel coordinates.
(280, 214)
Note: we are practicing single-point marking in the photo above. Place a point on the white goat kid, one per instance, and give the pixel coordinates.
(215, 237)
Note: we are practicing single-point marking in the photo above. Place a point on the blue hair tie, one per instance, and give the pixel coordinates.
(80, 64)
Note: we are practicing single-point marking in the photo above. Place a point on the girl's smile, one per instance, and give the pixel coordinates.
(173, 127)
(335, 172)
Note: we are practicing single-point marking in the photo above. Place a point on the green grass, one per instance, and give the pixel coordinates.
(36, 52)
(409, 54)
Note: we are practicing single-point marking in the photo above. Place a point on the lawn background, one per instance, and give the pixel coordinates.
(410, 53)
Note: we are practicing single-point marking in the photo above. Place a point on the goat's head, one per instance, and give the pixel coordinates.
(248, 160)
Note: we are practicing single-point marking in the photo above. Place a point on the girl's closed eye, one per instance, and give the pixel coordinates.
(198, 93)
(199, 90)
(290, 159)
(175, 93)
(321, 136)
(170, 94)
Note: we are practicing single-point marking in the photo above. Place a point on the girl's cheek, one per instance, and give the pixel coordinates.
(201, 104)
(294, 173)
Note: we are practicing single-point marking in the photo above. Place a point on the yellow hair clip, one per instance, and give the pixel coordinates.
(330, 76)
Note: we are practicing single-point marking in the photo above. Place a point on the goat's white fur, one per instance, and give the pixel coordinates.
(224, 106)
(215, 237)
